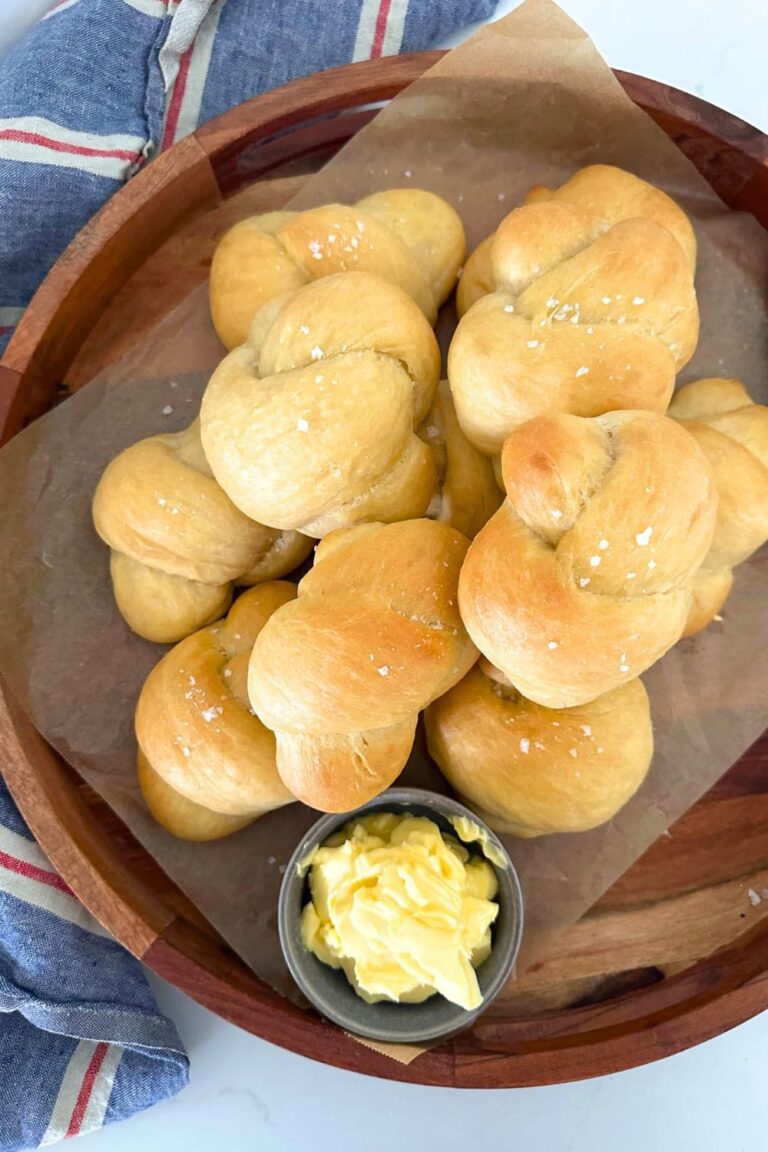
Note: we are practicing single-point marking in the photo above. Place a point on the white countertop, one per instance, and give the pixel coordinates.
(245, 1093)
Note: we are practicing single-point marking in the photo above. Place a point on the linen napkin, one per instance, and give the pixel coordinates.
(81, 1040)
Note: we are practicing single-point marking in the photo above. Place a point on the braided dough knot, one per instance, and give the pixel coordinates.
(408, 236)
(584, 576)
(206, 762)
(595, 310)
(341, 675)
(178, 542)
(311, 425)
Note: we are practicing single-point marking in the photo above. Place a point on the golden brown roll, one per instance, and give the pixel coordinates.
(732, 432)
(311, 425)
(177, 540)
(531, 770)
(611, 194)
(341, 675)
(584, 577)
(595, 308)
(466, 492)
(405, 235)
(206, 762)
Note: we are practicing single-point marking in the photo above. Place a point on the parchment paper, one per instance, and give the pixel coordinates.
(526, 100)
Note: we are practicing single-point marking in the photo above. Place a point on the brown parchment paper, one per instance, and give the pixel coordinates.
(526, 100)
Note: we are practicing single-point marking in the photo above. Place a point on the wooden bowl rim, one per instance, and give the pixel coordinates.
(709, 997)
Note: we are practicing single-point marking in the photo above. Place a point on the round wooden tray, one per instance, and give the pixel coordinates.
(677, 951)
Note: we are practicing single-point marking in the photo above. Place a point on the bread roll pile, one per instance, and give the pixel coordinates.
(507, 551)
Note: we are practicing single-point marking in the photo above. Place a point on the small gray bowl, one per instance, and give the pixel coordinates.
(328, 989)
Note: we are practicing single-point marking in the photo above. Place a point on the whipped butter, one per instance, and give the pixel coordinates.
(404, 910)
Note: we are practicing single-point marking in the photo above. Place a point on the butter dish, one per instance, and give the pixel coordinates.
(329, 989)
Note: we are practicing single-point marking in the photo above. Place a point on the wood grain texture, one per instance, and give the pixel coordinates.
(677, 950)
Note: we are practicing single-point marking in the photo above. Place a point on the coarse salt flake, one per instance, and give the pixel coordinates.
(552, 645)
(595, 561)
(584, 581)
(532, 343)
(383, 670)
(509, 307)
(586, 729)
(582, 371)
(525, 745)
(304, 329)
(642, 538)
(638, 299)
(167, 410)
(603, 544)
(302, 425)
(556, 513)
(316, 353)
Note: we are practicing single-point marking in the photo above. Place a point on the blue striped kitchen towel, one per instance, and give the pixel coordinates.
(87, 98)
(81, 1040)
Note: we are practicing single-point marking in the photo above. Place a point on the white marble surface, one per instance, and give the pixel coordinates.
(247, 1094)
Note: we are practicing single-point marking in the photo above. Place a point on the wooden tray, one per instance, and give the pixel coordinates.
(677, 951)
